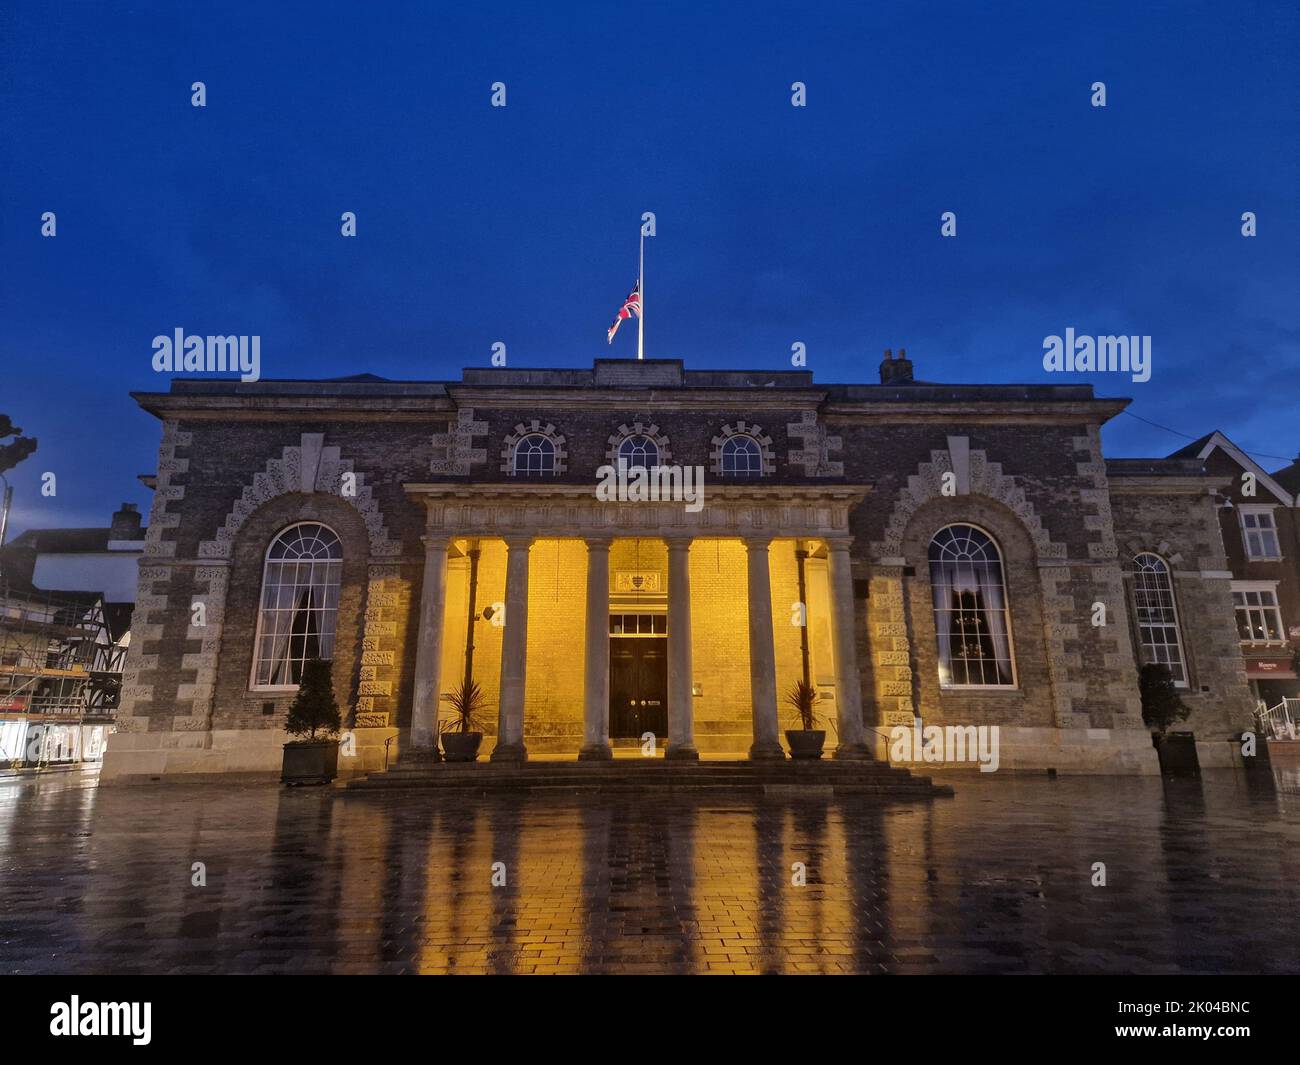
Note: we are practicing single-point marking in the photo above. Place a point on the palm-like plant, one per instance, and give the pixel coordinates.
(801, 697)
(467, 702)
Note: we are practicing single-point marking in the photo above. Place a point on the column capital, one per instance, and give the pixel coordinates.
(436, 541)
(758, 541)
(598, 543)
(518, 540)
(837, 543)
(679, 543)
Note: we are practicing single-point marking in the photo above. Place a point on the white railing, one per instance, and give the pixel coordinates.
(1279, 722)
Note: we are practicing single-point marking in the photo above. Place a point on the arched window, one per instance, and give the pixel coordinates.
(1156, 616)
(535, 456)
(741, 457)
(638, 451)
(971, 618)
(299, 605)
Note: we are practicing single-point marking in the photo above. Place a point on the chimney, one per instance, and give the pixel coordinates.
(896, 371)
(126, 524)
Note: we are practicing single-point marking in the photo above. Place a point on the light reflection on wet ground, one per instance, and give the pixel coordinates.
(1200, 877)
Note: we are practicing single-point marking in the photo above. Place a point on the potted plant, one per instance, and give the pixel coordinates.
(1162, 706)
(462, 734)
(807, 740)
(313, 758)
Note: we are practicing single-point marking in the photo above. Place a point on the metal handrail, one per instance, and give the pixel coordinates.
(1279, 722)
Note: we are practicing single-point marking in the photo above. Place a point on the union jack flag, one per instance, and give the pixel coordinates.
(631, 309)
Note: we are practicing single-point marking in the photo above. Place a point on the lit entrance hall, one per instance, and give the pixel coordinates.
(694, 641)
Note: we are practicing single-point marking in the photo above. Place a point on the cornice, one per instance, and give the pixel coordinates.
(865, 412)
(471, 492)
(624, 399)
(275, 408)
(573, 511)
(1120, 484)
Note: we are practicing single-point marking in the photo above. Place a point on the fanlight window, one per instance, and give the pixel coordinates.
(1157, 616)
(971, 618)
(741, 457)
(638, 451)
(535, 456)
(300, 603)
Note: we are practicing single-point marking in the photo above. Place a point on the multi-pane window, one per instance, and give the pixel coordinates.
(1259, 532)
(971, 619)
(535, 456)
(1258, 618)
(1157, 616)
(638, 624)
(638, 451)
(299, 606)
(741, 457)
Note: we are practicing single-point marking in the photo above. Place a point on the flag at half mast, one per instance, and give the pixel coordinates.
(631, 309)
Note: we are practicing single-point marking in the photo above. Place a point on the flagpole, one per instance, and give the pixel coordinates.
(640, 321)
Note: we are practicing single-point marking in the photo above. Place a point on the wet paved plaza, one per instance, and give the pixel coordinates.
(1200, 877)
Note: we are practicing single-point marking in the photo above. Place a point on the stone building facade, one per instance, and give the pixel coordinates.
(963, 553)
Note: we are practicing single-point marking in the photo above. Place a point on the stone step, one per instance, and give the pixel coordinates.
(791, 779)
(792, 772)
(650, 765)
(585, 782)
(915, 789)
(646, 779)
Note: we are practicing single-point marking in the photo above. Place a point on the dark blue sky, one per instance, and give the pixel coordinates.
(519, 225)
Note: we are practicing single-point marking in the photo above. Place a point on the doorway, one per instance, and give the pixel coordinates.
(638, 676)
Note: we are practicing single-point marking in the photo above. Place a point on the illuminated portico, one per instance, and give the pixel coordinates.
(742, 525)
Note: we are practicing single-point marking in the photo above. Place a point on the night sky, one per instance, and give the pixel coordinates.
(776, 224)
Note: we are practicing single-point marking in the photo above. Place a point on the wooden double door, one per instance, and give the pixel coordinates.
(638, 687)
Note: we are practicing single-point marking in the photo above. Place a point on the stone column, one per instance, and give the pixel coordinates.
(595, 732)
(848, 685)
(428, 648)
(681, 708)
(514, 654)
(762, 654)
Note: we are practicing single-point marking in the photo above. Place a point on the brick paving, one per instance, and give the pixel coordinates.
(1201, 878)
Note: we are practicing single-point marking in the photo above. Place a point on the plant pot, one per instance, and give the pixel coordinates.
(311, 762)
(805, 743)
(1177, 753)
(461, 746)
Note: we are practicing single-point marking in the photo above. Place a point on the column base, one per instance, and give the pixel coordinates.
(421, 755)
(679, 752)
(596, 752)
(509, 753)
(767, 752)
(853, 752)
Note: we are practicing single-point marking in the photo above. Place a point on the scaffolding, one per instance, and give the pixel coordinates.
(61, 661)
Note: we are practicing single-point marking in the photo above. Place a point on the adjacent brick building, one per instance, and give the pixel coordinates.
(1261, 534)
(960, 552)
